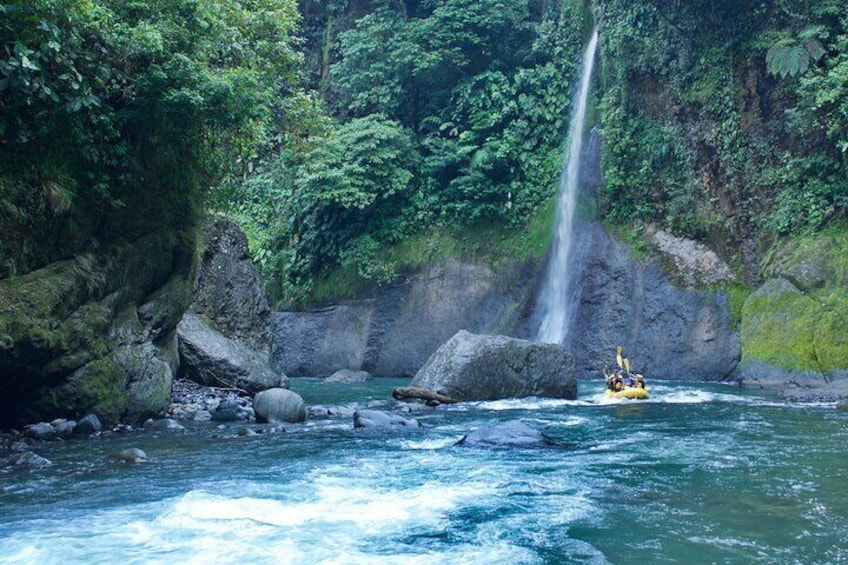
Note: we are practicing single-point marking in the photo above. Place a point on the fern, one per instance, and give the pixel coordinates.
(786, 60)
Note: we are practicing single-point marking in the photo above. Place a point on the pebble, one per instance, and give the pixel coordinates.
(192, 401)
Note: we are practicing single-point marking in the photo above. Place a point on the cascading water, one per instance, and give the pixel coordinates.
(556, 297)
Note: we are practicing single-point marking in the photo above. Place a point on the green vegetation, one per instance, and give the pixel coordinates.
(404, 131)
(800, 324)
(725, 124)
(108, 108)
(444, 116)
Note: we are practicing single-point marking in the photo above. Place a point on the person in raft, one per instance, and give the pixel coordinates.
(615, 381)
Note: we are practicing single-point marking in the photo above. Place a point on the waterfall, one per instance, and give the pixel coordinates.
(556, 297)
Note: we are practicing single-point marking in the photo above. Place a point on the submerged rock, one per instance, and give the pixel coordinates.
(379, 419)
(131, 455)
(330, 411)
(509, 434)
(28, 459)
(490, 367)
(349, 376)
(164, 424)
(279, 405)
(232, 411)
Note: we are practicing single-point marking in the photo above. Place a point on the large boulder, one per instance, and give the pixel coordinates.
(793, 325)
(489, 367)
(95, 331)
(210, 358)
(132, 383)
(228, 290)
(348, 376)
(279, 405)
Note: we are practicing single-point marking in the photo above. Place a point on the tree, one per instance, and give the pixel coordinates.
(357, 183)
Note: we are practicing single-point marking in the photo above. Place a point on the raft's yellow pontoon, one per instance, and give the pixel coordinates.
(628, 392)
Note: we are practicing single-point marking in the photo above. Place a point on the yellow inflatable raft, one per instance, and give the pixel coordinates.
(628, 392)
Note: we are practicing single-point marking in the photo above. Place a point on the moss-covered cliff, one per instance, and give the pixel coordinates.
(797, 321)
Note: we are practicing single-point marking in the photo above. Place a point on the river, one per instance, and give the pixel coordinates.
(700, 473)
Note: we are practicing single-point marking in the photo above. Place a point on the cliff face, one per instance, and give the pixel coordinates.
(668, 331)
(89, 302)
(394, 332)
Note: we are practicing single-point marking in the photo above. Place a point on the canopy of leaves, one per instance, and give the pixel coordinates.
(480, 89)
(102, 100)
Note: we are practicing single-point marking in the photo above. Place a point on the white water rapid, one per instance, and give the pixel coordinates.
(556, 296)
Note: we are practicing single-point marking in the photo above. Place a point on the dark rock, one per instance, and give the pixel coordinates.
(348, 376)
(28, 459)
(483, 367)
(331, 411)
(690, 263)
(379, 419)
(131, 383)
(247, 432)
(667, 331)
(89, 424)
(64, 428)
(279, 405)
(210, 358)
(508, 434)
(232, 411)
(41, 431)
(19, 447)
(228, 289)
(72, 313)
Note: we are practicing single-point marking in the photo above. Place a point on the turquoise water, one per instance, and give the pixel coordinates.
(700, 473)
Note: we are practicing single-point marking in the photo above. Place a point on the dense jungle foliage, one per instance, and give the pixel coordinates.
(725, 121)
(355, 135)
(433, 115)
(115, 115)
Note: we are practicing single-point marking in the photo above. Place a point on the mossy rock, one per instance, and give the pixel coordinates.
(100, 387)
(811, 262)
(150, 381)
(786, 328)
(128, 385)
